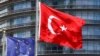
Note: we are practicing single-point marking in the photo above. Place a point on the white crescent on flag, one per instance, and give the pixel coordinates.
(49, 23)
(50, 27)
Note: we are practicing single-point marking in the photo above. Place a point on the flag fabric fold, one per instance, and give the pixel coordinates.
(60, 28)
(20, 46)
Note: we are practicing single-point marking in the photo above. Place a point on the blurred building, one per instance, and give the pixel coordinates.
(86, 9)
(18, 17)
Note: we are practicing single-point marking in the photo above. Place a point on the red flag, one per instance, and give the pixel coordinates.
(60, 28)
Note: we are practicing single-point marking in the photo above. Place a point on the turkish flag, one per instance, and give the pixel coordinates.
(60, 28)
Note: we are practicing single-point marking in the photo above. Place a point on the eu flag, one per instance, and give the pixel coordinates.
(20, 46)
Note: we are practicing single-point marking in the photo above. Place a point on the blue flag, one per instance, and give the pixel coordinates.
(20, 46)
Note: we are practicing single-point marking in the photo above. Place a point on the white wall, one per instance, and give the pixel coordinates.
(3, 12)
(1, 1)
(4, 25)
(22, 34)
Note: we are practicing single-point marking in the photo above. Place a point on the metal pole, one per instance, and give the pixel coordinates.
(4, 43)
(37, 27)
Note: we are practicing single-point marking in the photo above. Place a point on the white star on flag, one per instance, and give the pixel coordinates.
(63, 28)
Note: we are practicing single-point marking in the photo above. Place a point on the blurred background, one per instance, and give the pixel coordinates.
(19, 16)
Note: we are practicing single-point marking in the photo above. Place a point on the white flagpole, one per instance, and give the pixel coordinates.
(37, 27)
(4, 43)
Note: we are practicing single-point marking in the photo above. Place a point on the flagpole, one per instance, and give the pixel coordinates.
(4, 42)
(37, 27)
